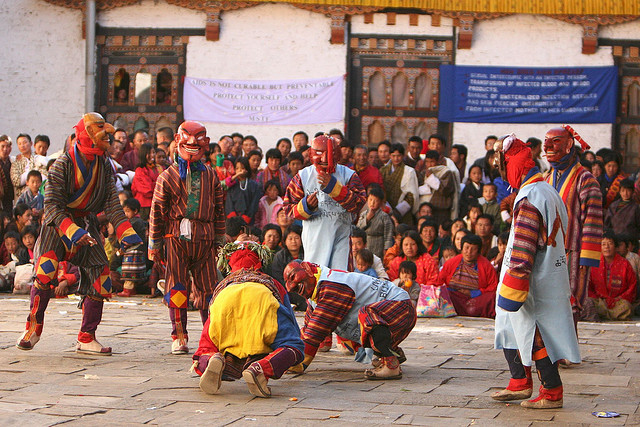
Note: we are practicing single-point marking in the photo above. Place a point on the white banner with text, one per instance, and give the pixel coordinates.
(268, 102)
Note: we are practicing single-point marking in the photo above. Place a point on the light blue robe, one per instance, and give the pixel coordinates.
(547, 304)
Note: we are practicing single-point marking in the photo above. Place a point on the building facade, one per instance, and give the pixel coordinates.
(390, 57)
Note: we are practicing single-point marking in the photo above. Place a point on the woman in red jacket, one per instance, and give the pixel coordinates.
(145, 178)
(412, 249)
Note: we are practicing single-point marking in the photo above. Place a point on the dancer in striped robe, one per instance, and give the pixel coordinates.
(187, 221)
(80, 185)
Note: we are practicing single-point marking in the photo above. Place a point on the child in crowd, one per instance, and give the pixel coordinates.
(407, 280)
(28, 237)
(375, 222)
(391, 253)
(496, 255)
(255, 158)
(623, 216)
(134, 260)
(124, 195)
(266, 213)
(243, 194)
(68, 279)
(296, 162)
(8, 270)
(364, 263)
(475, 210)
(144, 181)
(472, 190)
(223, 167)
(448, 252)
(31, 195)
(490, 205)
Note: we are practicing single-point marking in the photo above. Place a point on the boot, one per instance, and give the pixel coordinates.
(179, 346)
(547, 399)
(389, 369)
(325, 345)
(88, 344)
(212, 376)
(129, 290)
(256, 380)
(375, 362)
(25, 343)
(518, 388)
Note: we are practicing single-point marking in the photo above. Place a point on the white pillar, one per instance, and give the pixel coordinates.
(90, 66)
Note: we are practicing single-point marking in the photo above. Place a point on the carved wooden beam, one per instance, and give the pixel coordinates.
(590, 25)
(464, 21)
(338, 15)
(213, 9)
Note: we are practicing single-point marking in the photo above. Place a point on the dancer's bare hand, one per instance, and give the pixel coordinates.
(312, 200)
(86, 240)
(323, 178)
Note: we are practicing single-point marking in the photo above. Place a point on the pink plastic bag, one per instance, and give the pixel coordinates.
(434, 301)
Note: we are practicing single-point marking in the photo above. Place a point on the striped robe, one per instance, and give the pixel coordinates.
(204, 207)
(74, 194)
(581, 194)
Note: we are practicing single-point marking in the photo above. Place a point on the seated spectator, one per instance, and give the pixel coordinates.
(496, 255)
(391, 253)
(623, 215)
(266, 207)
(8, 268)
(429, 236)
(448, 252)
(364, 263)
(407, 280)
(234, 227)
(439, 187)
(412, 249)
(626, 247)
(273, 172)
(271, 238)
(472, 190)
(425, 209)
(134, 260)
(346, 153)
(68, 280)
(484, 229)
(295, 164)
(21, 217)
(471, 280)
(31, 195)
(359, 241)
(376, 223)
(28, 237)
(457, 239)
(475, 210)
(144, 181)
(254, 158)
(243, 194)
(444, 233)
(612, 285)
(283, 220)
(457, 224)
(292, 249)
(611, 179)
(490, 206)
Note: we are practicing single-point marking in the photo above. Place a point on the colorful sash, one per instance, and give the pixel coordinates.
(84, 180)
(614, 189)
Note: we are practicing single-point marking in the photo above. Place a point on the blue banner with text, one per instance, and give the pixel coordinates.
(528, 95)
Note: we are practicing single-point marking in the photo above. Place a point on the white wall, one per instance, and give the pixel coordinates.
(42, 83)
(628, 30)
(528, 41)
(255, 46)
(152, 14)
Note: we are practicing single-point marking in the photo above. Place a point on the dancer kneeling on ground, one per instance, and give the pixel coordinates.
(372, 312)
(251, 330)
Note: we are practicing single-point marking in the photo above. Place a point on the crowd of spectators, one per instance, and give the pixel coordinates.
(430, 219)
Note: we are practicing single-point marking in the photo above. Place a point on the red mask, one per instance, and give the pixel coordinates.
(557, 144)
(192, 141)
(298, 275)
(325, 153)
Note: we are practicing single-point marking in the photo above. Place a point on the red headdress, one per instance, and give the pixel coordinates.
(577, 137)
(248, 255)
(84, 142)
(515, 159)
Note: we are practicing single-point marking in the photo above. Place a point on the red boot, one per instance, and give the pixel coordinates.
(127, 293)
(517, 388)
(549, 398)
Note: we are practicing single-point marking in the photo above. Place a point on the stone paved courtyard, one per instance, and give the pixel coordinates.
(449, 376)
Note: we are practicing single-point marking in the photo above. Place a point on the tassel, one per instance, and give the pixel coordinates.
(188, 177)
